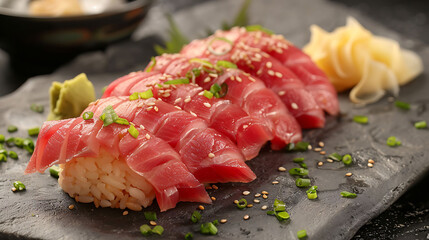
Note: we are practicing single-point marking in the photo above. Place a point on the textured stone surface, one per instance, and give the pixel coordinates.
(42, 211)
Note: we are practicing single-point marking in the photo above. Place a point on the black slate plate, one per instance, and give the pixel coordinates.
(42, 211)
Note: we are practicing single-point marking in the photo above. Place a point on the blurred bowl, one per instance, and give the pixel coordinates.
(32, 38)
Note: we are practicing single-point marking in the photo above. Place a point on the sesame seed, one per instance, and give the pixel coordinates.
(320, 164)
(188, 99)
(142, 127)
(193, 114)
(246, 217)
(166, 95)
(282, 169)
(249, 205)
(256, 200)
(147, 136)
(13, 189)
(208, 187)
(213, 75)
(223, 220)
(330, 160)
(71, 206)
(177, 100)
(309, 147)
(201, 93)
(239, 79)
(215, 187)
(245, 193)
(178, 107)
(371, 161)
(322, 152)
(259, 72)
(349, 174)
(151, 104)
(279, 74)
(153, 223)
(281, 93)
(155, 108)
(294, 106)
(207, 104)
(321, 144)
(232, 78)
(211, 155)
(264, 207)
(275, 182)
(245, 126)
(125, 213)
(317, 149)
(271, 72)
(252, 79)
(235, 201)
(264, 196)
(201, 207)
(213, 198)
(149, 108)
(264, 192)
(257, 195)
(269, 64)
(370, 165)
(207, 79)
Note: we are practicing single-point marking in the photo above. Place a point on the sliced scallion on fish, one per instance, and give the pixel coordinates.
(226, 64)
(108, 116)
(87, 115)
(152, 64)
(146, 94)
(54, 171)
(208, 94)
(178, 81)
(133, 131)
(122, 121)
(224, 51)
(254, 28)
(134, 96)
(202, 62)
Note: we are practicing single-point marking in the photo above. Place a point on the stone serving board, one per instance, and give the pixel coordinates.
(41, 212)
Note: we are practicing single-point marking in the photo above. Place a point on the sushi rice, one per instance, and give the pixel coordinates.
(107, 181)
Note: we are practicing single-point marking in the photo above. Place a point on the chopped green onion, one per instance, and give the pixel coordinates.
(282, 216)
(196, 216)
(13, 155)
(87, 115)
(242, 203)
(33, 131)
(10, 141)
(2, 138)
(402, 105)
(299, 146)
(189, 236)
(298, 172)
(420, 125)
(178, 81)
(1, 146)
(215, 222)
(134, 96)
(302, 164)
(37, 108)
(279, 205)
(254, 28)
(196, 72)
(393, 142)
(12, 128)
(215, 88)
(104, 89)
(152, 64)
(302, 182)
(145, 229)
(3, 151)
(146, 94)
(347, 159)
(225, 64)
(54, 171)
(208, 94)
(19, 142)
(208, 228)
(298, 160)
(301, 234)
(29, 145)
(158, 230)
(348, 194)
(3, 158)
(312, 192)
(122, 121)
(360, 119)
(202, 62)
(133, 131)
(150, 216)
(335, 157)
(271, 213)
(19, 186)
(109, 116)
(225, 51)
(223, 91)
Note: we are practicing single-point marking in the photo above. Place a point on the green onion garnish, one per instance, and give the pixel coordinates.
(54, 171)
(208, 228)
(299, 146)
(104, 89)
(224, 51)
(87, 115)
(215, 88)
(202, 62)
(298, 172)
(279, 205)
(348, 194)
(302, 182)
(3, 151)
(196, 216)
(301, 234)
(335, 157)
(3, 158)
(312, 192)
(10, 141)
(392, 142)
(158, 230)
(12, 128)
(254, 28)
(37, 108)
(298, 160)
(33, 131)
(1, 146)
(360, 119)
(13, 155)
(402, 105)
(133, 131)
(189, 236)
(215, 222)
(223, 91)
(282, 216)
(2, 138)
(19, 186)
(109, 116)
(147, 94)
(152, 64)
(122, 121)
(29, 145)
(208, 94)
(347, 159)
(178, 81)
(145, 229)
(303, 165)
(150, 216)
(134, 96)
(19, 142)
(225, 64)
(242, 203)
(420, 125)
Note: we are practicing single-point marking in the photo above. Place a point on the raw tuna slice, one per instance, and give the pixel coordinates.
(298, 62)
(249, 133)
(209, 155)
(244, 90)
(149, 157)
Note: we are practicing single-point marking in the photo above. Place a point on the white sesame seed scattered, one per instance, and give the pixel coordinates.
(207, 104)
(281, 93)
(282, 169)
(294, 106)
(178, 107)
(371, 161)
(264, 207)
(252, 79)
(201, 207)
(147, 136)
(213, 198)
(155, 108)
(193, 114)
(223, 220)
(149, 108)
(232, 78)
(142, 127)
(211, 155)
(177, 100)
(214, 75)
(264, 196)
(201, 93)
(125, 213)
(349, 174)
(321, 144)
(246, 217)
(215, 187)
(71, 206)
(317, 149)
(245, 193)
(275, 182)
(151, 104)
(279, 74)
(320, 164)
(153, 223)
(166, 95)
(207, 79)
(264, 192)
(309, 147)
(239, 79)
(322, 152)
(245, 126)
(271, 72)
(269, 64)
(257, 195)
(370, 165)
(259, 72)
(330, 160)
(188, 99)
(256, 200)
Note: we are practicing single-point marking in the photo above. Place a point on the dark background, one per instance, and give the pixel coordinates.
(408, 217)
